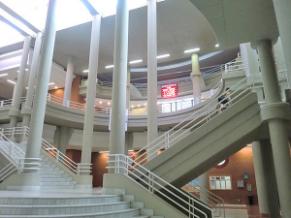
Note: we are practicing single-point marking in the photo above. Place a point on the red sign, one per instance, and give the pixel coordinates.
(169, 90)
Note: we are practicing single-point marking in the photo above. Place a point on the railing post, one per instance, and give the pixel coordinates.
(167, 140)
(58, 155)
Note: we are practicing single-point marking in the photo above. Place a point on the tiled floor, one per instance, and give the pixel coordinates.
(241, 211)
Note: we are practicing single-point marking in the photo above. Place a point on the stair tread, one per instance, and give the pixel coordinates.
(71, 215)
(63, 205)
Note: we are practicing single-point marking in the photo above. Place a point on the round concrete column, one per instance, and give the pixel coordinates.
(152, 109)
(253, 74)
(277, 127)
(30, 176)
(265, 179)
(26, 111)
(197, 80)
(62, 138)
(19, 87)
(87, 139)
(283, 15)
(117, 134)
(68, 82)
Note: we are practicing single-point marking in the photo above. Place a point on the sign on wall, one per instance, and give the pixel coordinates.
(169, 90)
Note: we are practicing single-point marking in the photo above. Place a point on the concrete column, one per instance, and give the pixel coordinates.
(253, 74)
(127, 99)
(197, 80)
(203, 181)
(62, 138)
(19, 87)
(117, 134)
(30, 176)
(265, 179)
(281, 67)
(68, 82)
(87, 139)
(272, 112)
(26, 110)
(283, 16)
(152, 108)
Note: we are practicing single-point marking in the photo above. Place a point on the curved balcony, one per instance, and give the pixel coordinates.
(71, 113)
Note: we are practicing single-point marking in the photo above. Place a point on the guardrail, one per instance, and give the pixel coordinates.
(7, 103)
(7, 170)
(184, 128)
(51, 151)
(122, 164)
(215, 202)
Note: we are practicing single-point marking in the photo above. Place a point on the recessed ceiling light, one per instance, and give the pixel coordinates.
(217, 45)
(135, 61)
(109, 66)
(86, 71)
(26, 69)
(3, 74)
(108, 103)
(163, 56)
(56, 87)
(192, 50)
(11, 81)
(51, 84)
(100, 102)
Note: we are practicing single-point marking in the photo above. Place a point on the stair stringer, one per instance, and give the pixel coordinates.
(210, 143)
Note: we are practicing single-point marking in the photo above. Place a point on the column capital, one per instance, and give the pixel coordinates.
(278, 110)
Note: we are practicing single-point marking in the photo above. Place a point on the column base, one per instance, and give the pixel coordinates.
(84, 182)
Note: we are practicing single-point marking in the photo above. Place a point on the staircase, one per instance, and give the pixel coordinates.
(52, 176)
(210, 143)
(212, 134)
(47, 205)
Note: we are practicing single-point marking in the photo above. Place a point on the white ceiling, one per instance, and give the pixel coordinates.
(180, 26)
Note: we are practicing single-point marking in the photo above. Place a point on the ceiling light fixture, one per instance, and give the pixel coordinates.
(192, 50)
(3, 74)
(109, 66)
(51, 84)
(86, 71)
(163, 56)
(136, 61)
(217, 45)
(11, 81)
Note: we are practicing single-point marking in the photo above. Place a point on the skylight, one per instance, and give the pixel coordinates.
(108, 7)
(69, 12)
(11, 36)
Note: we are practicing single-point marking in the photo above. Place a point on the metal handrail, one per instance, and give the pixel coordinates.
(49, 149)
(7, 171)
(12, 152)
(215, 202)
(8, 102)
(176, 132)
(187, 128)
(122, 164)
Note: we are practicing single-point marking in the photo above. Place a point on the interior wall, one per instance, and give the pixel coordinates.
(99, 163)
(75, 92)
(239, 166)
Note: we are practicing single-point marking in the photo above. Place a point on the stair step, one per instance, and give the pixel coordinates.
(62, 209)
(147, 212)
(64, 200)
(112, 214)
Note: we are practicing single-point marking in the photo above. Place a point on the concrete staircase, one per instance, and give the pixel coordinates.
(61, 205)
(52, 177)
(209, 143)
